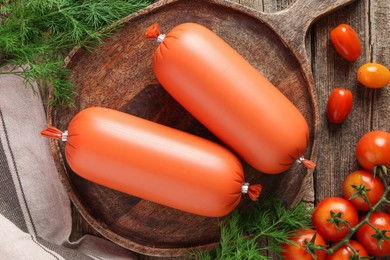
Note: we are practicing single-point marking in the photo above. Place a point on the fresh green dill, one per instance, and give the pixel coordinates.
(36, 35)
(264, 229)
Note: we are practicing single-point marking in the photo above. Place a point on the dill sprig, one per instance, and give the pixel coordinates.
(36, 35)
(264, 229)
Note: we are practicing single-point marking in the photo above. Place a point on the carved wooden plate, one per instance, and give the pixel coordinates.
(118, 74)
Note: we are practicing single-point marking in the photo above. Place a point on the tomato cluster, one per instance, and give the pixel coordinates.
(337, 232)
(371, 75)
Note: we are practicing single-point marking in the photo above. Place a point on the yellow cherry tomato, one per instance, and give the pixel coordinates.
(373, 75)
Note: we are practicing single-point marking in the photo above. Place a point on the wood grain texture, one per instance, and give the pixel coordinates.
(331, 71)
(255, 4)
(379, 46)
(371, 109)
(378, 22)
(336, 146)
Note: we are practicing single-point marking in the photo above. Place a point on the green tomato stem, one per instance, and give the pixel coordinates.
(352, 249)
(352, 230)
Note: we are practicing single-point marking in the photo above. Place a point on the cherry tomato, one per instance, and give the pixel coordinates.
(373, 149)
(346, 42)
(298, 251)
(365, 234)
(339, 105)
(344, 252)
(373, 188)
(373, 75)
(323, 213)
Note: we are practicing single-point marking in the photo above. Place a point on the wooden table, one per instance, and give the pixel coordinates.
(371, 110)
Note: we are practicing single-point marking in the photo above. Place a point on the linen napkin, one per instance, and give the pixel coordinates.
(35, 213)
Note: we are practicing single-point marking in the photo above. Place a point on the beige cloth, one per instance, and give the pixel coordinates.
(35, 214)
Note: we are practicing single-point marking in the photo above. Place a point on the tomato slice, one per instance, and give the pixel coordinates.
(346, 42)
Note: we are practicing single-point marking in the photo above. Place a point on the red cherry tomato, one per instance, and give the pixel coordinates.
(322, 214)
(297, 251)
(365, 234)
(339, 105)
(374, 189)
(346, 42)
(373, 75)
(345, 252)
(373, 149)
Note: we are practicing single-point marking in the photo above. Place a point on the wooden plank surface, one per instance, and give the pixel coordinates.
(330, 71)
(370, 18)
(371, 108)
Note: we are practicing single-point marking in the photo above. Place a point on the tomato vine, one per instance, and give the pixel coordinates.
(379, 234)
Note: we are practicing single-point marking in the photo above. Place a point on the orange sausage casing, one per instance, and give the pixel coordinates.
(152, 161)
(230, 97)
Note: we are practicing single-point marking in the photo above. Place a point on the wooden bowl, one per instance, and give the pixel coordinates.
(118, 74)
